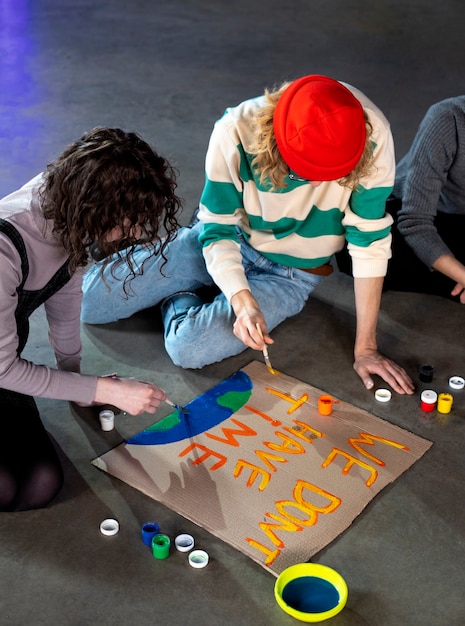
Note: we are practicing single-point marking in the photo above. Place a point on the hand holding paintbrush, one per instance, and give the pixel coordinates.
(265, 351)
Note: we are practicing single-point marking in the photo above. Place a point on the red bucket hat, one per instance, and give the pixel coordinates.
(319, 127)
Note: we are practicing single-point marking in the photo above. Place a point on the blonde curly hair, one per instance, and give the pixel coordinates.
(268, 161)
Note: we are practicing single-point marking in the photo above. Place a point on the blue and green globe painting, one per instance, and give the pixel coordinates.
(205, 412)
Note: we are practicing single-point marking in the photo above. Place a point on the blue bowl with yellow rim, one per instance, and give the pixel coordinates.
(311, 592)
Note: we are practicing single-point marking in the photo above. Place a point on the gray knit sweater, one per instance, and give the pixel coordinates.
(431, 178)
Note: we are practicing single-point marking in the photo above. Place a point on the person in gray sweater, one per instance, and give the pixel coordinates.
(109, 188)
(428, 204)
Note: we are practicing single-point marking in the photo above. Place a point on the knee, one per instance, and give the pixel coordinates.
(8, 490)
(177, 313)
(193, 347)
(42, 486)
(184, 346)
(183, 355)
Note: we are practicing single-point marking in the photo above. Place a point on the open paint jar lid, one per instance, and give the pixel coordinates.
(311, 592)
(184, 542)
(198, 559)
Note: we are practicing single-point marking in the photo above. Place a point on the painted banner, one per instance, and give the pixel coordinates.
(256, 463)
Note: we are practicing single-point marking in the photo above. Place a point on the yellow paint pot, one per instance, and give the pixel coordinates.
(445, 401)
(311, 592)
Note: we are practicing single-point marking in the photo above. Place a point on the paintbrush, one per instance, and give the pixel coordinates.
(265, 351)
(178, 407)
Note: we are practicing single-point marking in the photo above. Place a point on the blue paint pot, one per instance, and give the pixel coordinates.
(311, 592)
(148, 532)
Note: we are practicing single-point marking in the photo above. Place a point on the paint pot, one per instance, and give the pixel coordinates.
(426, 373)
(428, 400)
(445, 401)
(311, 592)
(109, 527)
(148, 532)
(456, 382)
(325, 405)
(383, 395)
(184, 542)
(107, 420)
(161, 546)
(198, 559)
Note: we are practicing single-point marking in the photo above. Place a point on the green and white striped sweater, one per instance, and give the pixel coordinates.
(297, 226)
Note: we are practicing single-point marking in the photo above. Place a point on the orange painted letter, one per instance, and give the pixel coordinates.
(271, 555)
(229, 433)
(306, 507)
(351, 460)
(289, 445)
(366, 438)
(204, 457)
(255, 472)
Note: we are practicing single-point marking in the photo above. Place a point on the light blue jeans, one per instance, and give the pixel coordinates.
(205, 334)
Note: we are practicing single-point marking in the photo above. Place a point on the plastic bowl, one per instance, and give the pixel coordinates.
(311, 592)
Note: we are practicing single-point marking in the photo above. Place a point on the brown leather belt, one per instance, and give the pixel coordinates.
(321, 270)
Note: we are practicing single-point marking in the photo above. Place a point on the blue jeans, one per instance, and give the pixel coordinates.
(205, 334)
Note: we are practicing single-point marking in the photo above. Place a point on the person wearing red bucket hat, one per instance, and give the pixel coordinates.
(320, 128)
(290, 176)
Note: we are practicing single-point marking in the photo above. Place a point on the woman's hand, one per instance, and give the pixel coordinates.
(248, 315)
(459, 290)
(128, 394)
(451, 267)
(372, 362)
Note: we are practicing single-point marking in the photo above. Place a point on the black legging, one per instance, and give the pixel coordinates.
(30, 471)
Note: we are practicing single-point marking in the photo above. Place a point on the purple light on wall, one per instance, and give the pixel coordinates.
(20, 95)
(15, 52)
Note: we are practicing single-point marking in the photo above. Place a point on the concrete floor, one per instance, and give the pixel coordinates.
(167, 69)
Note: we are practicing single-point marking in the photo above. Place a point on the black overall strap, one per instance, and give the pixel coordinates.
(29, 301)
(10, 231)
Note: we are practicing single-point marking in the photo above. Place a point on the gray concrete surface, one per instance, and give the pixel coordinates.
(167, 69)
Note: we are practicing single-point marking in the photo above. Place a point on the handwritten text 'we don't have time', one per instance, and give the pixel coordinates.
(308, 499)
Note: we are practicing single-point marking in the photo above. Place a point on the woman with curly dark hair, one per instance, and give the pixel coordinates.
(109, 188)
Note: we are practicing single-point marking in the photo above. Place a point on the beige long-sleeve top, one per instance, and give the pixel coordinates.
(45, 255)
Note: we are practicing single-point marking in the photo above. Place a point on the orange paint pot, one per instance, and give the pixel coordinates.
(325, 405)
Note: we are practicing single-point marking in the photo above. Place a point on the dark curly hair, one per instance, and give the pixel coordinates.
(108, 179)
